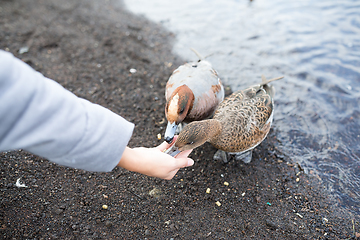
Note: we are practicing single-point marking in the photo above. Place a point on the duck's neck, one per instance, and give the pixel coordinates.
(212, 128)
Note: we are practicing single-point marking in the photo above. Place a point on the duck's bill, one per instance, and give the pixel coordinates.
(170, 132)
(173, 151)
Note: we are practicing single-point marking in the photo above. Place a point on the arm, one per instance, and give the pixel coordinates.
(40, 116)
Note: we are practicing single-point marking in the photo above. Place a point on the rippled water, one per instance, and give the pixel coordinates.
(314, 44)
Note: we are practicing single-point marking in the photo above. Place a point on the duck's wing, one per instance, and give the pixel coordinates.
(246, 118)
(264, 106)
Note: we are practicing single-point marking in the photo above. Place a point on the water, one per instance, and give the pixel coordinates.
(314, 44)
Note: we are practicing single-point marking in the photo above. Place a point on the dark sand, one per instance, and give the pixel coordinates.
(89, 47)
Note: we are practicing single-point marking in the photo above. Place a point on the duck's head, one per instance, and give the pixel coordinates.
(194, 135)
(177, 107)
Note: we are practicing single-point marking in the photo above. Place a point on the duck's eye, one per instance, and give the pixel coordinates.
(182, 111)
(191, 143)
(194, 66)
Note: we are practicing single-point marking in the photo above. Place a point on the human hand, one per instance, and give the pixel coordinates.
(154, 162)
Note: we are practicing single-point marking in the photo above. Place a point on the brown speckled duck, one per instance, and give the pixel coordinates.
(193, 92)
(240, 123)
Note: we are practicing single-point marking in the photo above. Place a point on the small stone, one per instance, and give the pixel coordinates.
(218, 203)
(62, 206)
(132, 70)
(297, 179)
(271, 224)
(147, 232)
(105, 206)
(155, 192)
(23, 50)
(58, 211)
(226, 183)
(159, 136)
(108, 223)
(208, 190)
(357, 235)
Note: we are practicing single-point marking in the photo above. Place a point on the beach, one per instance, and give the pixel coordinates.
(101, 52)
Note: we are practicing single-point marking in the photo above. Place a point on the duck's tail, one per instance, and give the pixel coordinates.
(269, 89)
(197, 54)
(201, 57)
(265, 81)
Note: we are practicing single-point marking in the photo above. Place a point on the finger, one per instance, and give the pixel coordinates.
(180, 163)
(184, 162)
(184, 154)
(163, 146)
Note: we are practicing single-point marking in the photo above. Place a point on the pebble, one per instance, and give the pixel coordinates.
(155, 193)
(218, 203)
(62, 206)
(105, 206)
(58, 211)
(208, 190)
(226, 183)
(271, 224)
(159, 136)
(23, 50)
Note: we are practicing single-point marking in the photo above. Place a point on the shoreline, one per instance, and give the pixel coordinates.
(89, 48)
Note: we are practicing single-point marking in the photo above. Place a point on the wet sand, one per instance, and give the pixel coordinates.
(89, 47)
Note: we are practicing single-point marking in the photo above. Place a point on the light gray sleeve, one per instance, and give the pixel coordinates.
(40, 116)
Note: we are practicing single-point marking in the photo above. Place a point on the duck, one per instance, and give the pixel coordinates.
(240, 123)
(193, 92)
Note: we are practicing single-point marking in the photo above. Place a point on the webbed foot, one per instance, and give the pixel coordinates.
(221, 155)
(245, 157)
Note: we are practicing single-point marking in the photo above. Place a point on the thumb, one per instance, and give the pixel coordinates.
(163, 146)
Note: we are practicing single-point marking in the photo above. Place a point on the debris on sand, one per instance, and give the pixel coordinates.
(20, 185)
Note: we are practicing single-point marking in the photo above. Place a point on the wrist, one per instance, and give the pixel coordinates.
(127, 159)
